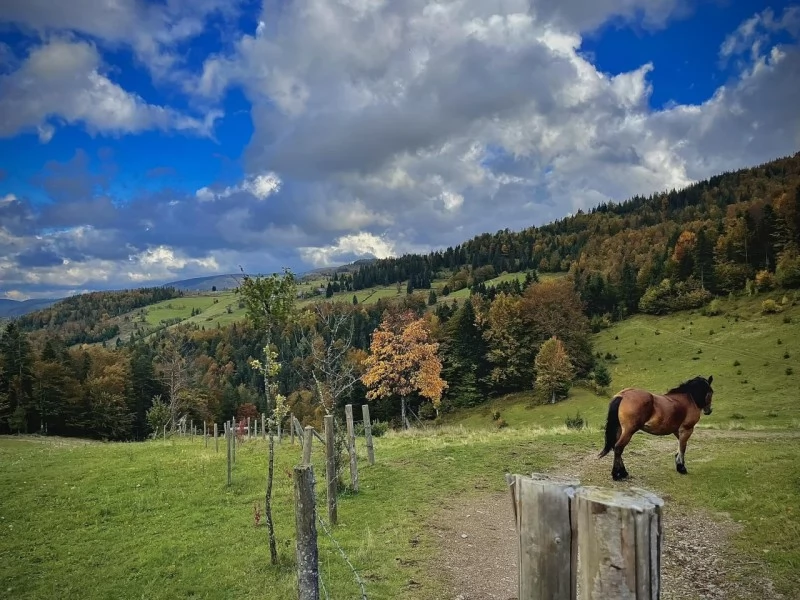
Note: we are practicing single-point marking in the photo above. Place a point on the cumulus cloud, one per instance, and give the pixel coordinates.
(154, 31)
(348, 248)
(64, 79)
(260, 186)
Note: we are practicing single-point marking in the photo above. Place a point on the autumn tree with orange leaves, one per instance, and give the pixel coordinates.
(402, 361)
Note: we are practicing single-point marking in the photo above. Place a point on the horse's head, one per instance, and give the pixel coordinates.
(709, 393)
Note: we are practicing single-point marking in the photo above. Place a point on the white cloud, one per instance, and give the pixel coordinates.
(152, 30)
(260, 186)
(349, 247)
(63, 80)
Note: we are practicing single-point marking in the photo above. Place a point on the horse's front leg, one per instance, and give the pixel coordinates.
(680, 458)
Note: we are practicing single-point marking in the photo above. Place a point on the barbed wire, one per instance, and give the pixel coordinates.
(344, 556)
(322, 583)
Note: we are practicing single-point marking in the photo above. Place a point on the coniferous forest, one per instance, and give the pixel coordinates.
(735, 233)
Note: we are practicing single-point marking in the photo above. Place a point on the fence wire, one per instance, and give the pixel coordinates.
(344, 556)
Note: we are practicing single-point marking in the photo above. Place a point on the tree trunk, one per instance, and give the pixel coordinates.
(273, 552)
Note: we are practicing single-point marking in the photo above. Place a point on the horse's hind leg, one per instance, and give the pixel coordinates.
(618, 471)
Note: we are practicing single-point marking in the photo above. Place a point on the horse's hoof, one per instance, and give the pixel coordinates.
(682, 470)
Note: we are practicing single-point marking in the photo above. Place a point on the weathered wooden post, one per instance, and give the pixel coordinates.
(291, 427)
(165, 432)
(216, 437)
(308, 437)
(547, 543)
(248, 428)
(351, 446)
(330, 468)
(228, 441)
(306, 525)
(233, 439)
(620, 543)
(263, 426)
(205, 432)
(368, 433)
(191, 428)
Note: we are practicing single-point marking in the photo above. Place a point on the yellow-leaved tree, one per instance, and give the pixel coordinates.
(402, 361)
(554, 370)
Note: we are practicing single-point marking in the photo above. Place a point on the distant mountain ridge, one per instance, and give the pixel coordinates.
(10, 309)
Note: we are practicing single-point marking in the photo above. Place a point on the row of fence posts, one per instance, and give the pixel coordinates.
(615, 535)
(304, 482)
(307, 553)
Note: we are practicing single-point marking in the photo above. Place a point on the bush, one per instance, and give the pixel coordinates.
(713, 308)
(787, 319)
(602, 376)
(500, 423)
(736, 363)
(764, 281)
(379, 428)
(495, 415)
(769, 306)
(576, 422)
(789, 370)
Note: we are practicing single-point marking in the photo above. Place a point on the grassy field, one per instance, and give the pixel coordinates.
(157, 520)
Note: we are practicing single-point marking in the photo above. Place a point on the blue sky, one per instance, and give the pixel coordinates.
(147, 142)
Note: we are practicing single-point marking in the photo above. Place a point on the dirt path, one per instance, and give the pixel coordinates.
(478, 554)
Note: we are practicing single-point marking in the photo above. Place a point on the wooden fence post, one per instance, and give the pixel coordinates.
(351, 446)
(307, 439)
(368, 433)
(205, 432)
(620, 543)
(248, 428)
(216, 437)
(547, 542)
(228, 437)
(165, 432)
(330, 468)
(233, 439)
(291, 426)
(306, 525)
(263, 426)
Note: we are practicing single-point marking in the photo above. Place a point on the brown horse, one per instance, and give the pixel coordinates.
(676, 413)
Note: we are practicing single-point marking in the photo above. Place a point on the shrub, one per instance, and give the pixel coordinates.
(495, 415)
(670, 296)
(713, 308)
(772, 414)
(787, 319)
(738, 371)
(769, 306)
(785, 355)
(601, 375)
(500, 423)
(576, 422)
(764, 281)
(736, 363)
(789, 370)
(379, 428)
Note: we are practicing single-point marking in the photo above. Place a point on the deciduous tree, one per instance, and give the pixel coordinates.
(554, 370)
(402, 361)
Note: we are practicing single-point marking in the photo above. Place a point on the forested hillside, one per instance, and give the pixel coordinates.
(714, 235)
(734, 234)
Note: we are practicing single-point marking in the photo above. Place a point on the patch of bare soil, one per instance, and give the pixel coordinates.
(478, 544)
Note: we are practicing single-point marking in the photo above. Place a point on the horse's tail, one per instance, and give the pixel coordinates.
(612, 425)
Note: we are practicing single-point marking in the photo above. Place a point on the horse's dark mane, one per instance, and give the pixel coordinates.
(697, 388)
